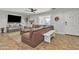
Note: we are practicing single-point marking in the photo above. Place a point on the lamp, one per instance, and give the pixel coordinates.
(31, 22)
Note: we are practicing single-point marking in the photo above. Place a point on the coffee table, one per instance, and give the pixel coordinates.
(48, 35)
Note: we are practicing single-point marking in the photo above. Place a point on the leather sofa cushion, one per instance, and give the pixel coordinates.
(35, 26)
(35, 29)
(26, 35)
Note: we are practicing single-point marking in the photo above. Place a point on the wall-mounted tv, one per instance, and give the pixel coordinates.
(14, 19)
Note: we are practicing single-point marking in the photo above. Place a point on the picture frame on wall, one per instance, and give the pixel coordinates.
(56, 18)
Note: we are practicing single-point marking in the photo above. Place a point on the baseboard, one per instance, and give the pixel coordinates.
(72, 34)
(67, 34)
(59, 33)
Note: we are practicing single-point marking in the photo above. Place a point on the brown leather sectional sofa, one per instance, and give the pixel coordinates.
(35, 35)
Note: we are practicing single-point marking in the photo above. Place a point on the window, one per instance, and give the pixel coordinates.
(44, 20)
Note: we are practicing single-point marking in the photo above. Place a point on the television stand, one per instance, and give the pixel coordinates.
(13, 27)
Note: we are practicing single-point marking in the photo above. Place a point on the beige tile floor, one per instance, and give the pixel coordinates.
(12, 41)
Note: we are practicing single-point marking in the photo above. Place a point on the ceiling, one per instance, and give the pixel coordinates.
(25, 10)
(39, 10)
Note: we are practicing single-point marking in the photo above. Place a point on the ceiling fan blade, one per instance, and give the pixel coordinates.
(31, 10)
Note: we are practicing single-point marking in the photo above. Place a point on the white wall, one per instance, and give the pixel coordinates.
(4, 18)
(64, 15)
(72, 19)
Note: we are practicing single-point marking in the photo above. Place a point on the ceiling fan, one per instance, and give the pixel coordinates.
(53, 8)
(33, 10)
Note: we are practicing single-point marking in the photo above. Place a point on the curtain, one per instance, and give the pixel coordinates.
(44, 20)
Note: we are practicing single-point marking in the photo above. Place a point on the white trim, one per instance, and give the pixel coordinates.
(59, 33)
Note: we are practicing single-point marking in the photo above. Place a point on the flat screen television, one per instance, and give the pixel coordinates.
(14, 19)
